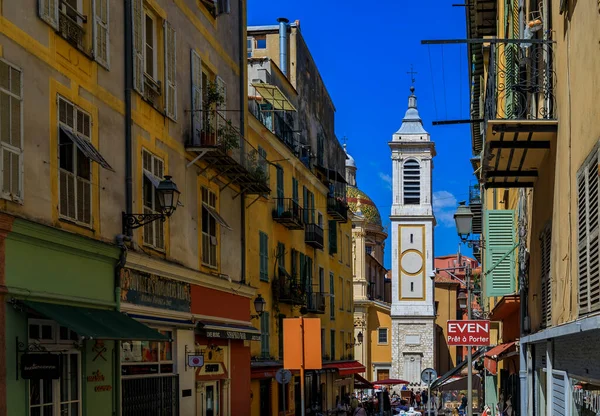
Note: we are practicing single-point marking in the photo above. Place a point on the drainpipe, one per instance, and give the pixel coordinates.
(243, 99)
(128, 118)
(283, 45)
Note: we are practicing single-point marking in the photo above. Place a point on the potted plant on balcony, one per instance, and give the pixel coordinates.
(225, 135)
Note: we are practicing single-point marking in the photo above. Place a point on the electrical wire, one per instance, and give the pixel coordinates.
(432, 82)
(444, 82)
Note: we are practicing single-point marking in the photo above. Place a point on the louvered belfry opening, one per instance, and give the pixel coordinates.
(412, 182)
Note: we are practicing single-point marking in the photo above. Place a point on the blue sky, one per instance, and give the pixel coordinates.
(363, 51)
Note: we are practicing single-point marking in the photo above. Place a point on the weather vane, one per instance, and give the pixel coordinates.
(412, 74)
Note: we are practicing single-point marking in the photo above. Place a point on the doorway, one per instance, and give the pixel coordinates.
(211, 399)
(265, 397)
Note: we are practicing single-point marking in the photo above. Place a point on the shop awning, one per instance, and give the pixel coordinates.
(346, 368)
(362, 383)
(213, 329)
(264, 369)
(456, 370)
(273, 95)
(461, 383)
(91, 323)
(498, 353)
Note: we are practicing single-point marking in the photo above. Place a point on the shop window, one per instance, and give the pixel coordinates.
(148, 357)
(153, 171)
(11, 137)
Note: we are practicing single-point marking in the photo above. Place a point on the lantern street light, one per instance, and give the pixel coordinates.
(360, 338)
(168, 198)
(462, 300)
(259, 306)
(464, 221)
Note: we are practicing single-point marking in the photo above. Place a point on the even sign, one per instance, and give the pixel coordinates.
(469, 332)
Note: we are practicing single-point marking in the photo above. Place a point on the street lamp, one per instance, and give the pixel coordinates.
(464, 221)
(462, 300)
(259, 306)
(168, 198)
(360, 338)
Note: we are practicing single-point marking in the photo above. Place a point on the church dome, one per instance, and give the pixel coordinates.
(361, 205)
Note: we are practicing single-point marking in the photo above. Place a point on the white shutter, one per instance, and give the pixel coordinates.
(196, 71)
(48, 11)
(222, 88)
(11, 173)
(137, 13)
(561, 397)
(170, 71)
(101, 53)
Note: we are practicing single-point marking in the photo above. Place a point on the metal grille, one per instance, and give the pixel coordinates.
(151, 396)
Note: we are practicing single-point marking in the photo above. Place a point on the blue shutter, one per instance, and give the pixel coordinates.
(264, 256)
(500, 240)
(264, 335)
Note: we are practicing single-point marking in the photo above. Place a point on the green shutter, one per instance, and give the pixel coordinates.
(331, 296)
(309, 268)
(294, 264)
(302, 270)
(264, 335)
(305, 203)
(280, 190)
(499, 240)
(264, 257)
(332, 237)
(295, 190)
(281, 255)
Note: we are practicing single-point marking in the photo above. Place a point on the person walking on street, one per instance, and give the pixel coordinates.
(360, 411)
(424, 398)
(353, 403)
(387, 405)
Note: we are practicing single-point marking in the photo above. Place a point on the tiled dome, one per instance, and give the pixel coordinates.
(360, 204)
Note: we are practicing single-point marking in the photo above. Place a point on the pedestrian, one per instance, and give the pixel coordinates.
(354, 403)
(360, 411)
(424, 398)
(464, 402)
(387, 405)
(412, 398)
(418, 399)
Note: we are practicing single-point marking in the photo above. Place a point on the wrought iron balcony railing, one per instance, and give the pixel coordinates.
(315, 302)
(288, 213)
(275, 123)
(337, 207)
(288, 290)
(521, 81)
(69, 27)
(313, 235)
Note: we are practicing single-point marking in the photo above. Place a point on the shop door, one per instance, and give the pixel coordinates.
(265, 397)
(211, 399)
(151, 396)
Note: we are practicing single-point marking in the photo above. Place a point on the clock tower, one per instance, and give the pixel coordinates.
(412, 223)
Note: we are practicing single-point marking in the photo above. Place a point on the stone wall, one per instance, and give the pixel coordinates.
(401, 328)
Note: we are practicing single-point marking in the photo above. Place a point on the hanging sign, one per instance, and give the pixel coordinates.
(469, 332)
(40, 366)
(195, 360)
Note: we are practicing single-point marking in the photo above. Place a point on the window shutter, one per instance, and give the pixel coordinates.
(588, 235)
(294, 264)
(222, 88)
(561, 394)
(196, 63)
(138, 45)
(545, 244)
(264, 256)
(264, 334)
(222, 6)
(48, 10)
(101, 52)
(170, 71)
(500, 240)
(332, 237)
(302, 271)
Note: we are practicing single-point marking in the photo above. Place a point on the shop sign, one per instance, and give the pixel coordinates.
(586, 399)
(149, 289)
(232, 335)
(40, 366)
(134, 370)
(98, 377)
(469, 332)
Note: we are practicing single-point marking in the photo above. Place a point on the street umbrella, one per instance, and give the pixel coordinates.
(390, 382)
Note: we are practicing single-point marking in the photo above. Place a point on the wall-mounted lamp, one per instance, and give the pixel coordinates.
(168, 198)
(359, 338)
(259, 306)
(462, 300)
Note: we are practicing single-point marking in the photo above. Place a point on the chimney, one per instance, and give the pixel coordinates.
(283, 45)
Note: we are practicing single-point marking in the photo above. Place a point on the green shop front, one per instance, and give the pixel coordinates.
(62, 327)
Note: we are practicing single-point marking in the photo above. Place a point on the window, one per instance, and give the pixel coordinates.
(11, 137)
(348, 250)
(320, 219)
(264, 335)
(321, 280)
(320, 150)
(332, 237)
(264, 256)
(75, 173)
(382, 336)
(280, 335)
(153, 170)
(295, 190)
(68, 20)
(249, 46)
(294, 265)
(261, 42)
(309, 206)
(210, 240)
(412, 182)
(263, 164)
(331, 296)
(341, 284)
(546, 269)
(369, 249)
(222, 89)
(349, 296)
(588, 234)
(332, 345)
(342, 343)
(216, 7)
(146, 44)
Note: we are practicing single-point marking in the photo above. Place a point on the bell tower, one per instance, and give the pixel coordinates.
(412, 223)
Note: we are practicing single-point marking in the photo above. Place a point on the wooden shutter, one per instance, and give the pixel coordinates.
(170, 70)
(561, 394)
(222, 88)
(137, 13)
(500, 240)
(264, 256)
(302, 271)
(48, 11)
(588, 235)
(196, 63)
(332, 237)
(264, 335)
(100, 32)
(546, 301)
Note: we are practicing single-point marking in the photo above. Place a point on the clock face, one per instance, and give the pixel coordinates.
(412, 262)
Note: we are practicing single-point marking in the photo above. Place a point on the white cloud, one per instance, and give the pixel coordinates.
(386, 178)
(444, 206)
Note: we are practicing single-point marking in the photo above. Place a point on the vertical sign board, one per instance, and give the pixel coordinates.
(299, 333)
(469, 332)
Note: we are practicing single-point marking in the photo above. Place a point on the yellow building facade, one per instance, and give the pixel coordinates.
(299, 238)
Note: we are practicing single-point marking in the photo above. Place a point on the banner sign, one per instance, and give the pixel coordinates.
(469, 332)
(148, 289)
(40, 366)
(244, 336)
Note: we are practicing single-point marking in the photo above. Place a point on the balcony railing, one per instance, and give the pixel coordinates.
(288, 213)
(474, 194)
(222, 146)
(313, 235)
(521, 81)
(315, 302)
(276, 124)
(337, 207)
(288, 289)
(69, 27)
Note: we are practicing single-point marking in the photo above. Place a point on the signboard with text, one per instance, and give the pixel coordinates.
(147, 289)
(40, 366)
(469, 332)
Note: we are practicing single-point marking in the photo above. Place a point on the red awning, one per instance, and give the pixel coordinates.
(498, 353)
(346, 368)
(264, 370)
(361, 383)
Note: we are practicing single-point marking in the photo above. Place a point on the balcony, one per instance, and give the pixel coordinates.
(288, 213)
(288, 290)
(276, 123)
(223, 148)
(70, 25)
(475, 206)
(313, 236)
(520, 112)
(315, 302)
(337, 208)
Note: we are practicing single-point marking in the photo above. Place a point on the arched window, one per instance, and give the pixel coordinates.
(412, 182)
